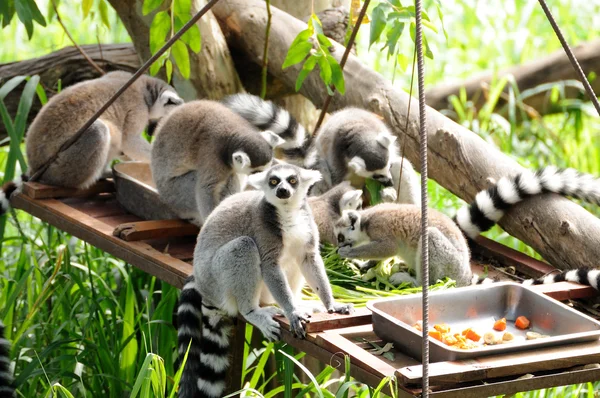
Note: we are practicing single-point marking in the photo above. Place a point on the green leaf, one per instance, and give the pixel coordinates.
(169, 69)
(337, 75)
(325, 70)
(129, 344)
(182, 7)
(159, 29)
(36, 13)
(155, 67)
(308, 66)
(182, 58)
(402, 61)
(441, 16)
(58, 391)
(151, 5)
(324, 40)
(296, 54)
(378, 22)
(86, 6)
(314, 24)
(103, 9)
(10, 85)
(7, 11)
(192, 37)
(25, 15)
(393, 35)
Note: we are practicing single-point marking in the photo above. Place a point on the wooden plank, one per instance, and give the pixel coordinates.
(324, 321)
(563, 291)
(143, 230)
(504, 365)
(36, 190)
(99, 234)
(99, 206)
(510, 257)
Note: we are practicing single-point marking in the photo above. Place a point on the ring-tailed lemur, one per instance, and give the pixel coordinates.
(201, 154)
(117, 131)
(265, 115)
(355, 144)
(328, 208)
(256, 247)
(7, 389)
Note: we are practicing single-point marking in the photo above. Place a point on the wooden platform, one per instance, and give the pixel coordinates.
(165, 249)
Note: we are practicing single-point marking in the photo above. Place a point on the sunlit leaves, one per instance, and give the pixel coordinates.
(27, 12)
(164, 25)
(312, 47)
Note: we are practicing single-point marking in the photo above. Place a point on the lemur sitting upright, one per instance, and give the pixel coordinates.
(256, 247)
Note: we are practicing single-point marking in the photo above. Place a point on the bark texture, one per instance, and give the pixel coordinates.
(554, 68)
(561, 231)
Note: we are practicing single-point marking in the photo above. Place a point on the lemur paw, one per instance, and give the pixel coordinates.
(272, 310)
(402, 277)
(296, 318)
(345, 251)
(389, 195)
(341, 308)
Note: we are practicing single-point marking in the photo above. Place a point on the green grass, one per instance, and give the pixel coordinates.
(88, 324)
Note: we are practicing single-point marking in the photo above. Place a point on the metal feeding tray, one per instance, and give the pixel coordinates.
(477, 307)
(137, 193)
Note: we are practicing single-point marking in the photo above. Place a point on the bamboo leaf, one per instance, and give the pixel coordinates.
(182, 58)
(10, 86)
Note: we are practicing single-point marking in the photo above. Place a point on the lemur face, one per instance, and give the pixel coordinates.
(166, 102)
(383, 175)
(285, 184)
(347, 229)
(351, 200)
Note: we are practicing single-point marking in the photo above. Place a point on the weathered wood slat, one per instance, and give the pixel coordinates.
(324, 321)
(36, 190)
(143, 230)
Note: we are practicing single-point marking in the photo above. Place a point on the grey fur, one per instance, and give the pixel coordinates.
(388, 230)
(200, 154)
(7, 389)
(116, 132)
(256, 248)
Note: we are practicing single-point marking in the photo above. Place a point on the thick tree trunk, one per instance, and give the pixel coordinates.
(561, 231)
(212, 75)
(553, 68)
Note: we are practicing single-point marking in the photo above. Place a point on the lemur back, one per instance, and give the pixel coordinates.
(199, 154)
(116, 132)
(256, 247)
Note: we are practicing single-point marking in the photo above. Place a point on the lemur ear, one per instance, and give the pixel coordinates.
(357, 164)
(386, 139)
(351, 200)
(273, 139)
(310, 176)
(240, 161)
(170, 98)
(257, 180)
(354, 219)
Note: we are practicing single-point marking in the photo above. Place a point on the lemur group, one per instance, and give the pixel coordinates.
(265, 194)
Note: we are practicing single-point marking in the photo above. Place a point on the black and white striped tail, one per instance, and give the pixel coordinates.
(265, 115)
(583, 276)
(489, 205)
(7, 190)
(6, 387)
(208, 358)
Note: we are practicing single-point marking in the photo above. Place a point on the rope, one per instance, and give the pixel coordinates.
(424, 224)
(349, 45)
(574, 63)
(40, 171)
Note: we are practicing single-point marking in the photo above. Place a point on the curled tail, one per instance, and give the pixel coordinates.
(489, 205)
(208, 357)
(7, 190)
(6, 387)
(265, 115)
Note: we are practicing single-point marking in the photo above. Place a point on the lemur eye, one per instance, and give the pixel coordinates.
(292, 180)
(341, 238)
(273, 182)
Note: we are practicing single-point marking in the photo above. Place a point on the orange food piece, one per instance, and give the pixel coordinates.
(442, 328)
(522, 322)
(435, 334)
(500, 325)
(418, 326)
(472, 335)
(449, 339)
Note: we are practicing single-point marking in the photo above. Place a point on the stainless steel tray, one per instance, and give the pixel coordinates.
(137, 193)
(477, 307)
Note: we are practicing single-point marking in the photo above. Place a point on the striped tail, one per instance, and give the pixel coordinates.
(490, 205)
(6, 387)
(208, 358)
(583, 276)
(265, 115)
(7, 190)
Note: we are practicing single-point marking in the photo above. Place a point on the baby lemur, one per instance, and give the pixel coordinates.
(201, 154)
(117, 131)
(256, 247)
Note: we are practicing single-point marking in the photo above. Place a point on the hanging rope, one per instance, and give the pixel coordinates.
(576, 66)
(349, 45)
(40, 171)
(424, 223)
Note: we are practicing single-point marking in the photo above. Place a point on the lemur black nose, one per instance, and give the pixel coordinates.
(386, 182)
(151, 127)
(283, 193)
(341, 238)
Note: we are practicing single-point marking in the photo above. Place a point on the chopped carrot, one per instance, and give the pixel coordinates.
(522, 322)
(435, 334)
(500, 325)
(442, 328)
(465, 332)
(472, 335)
